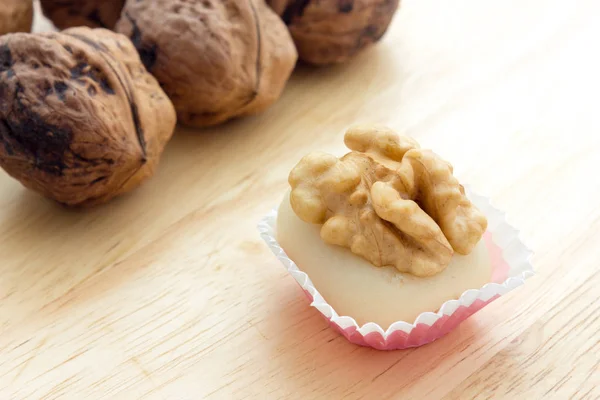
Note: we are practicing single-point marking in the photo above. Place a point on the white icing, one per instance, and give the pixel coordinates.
(356, 288)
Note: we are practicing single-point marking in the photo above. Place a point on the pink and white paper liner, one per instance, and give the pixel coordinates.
(510, 265)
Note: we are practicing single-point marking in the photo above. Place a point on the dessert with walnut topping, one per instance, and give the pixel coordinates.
(385, 232)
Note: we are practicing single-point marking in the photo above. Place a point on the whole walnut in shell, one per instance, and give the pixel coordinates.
(16, 16)
(215, 59)
(388, 201)
(332, 31)
(93, 13)
(81, 120)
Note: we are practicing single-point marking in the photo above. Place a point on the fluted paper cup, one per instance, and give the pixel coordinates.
(510, 267)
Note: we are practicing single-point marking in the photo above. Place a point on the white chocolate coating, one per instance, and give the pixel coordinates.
(356, 288)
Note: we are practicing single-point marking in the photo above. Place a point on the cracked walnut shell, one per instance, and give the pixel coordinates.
(81, 120)
(333, 31)
(92, 13)
(15, 16)
(215, 59)
(388, 201)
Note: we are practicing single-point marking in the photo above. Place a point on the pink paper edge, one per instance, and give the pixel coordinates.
(422, 334)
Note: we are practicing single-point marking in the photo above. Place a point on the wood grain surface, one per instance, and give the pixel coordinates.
(169, 293)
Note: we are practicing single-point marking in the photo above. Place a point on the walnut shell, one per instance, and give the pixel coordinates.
(16, 16)
(215, 59)
(93, 13)
(332, 31)
(81, 120)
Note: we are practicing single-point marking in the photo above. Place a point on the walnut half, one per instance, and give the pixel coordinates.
(388, 201)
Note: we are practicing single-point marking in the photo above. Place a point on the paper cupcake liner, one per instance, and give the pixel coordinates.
(510, 267)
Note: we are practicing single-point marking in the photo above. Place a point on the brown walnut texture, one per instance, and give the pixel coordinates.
(92, 13)
(81, 120)
(15, 16)
(388, 201)
(215, 59)
(333, 31)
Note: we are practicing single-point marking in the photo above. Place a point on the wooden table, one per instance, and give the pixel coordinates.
(168, 293)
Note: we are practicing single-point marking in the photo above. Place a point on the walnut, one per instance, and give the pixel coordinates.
(93, 13)
(16, 16)
(332, 31)
(388, 201)
(215, 59)
(81, 120)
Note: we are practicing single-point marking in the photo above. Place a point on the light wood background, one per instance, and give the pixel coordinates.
(168, 293)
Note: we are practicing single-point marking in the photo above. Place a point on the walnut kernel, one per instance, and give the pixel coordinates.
(388, 201)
